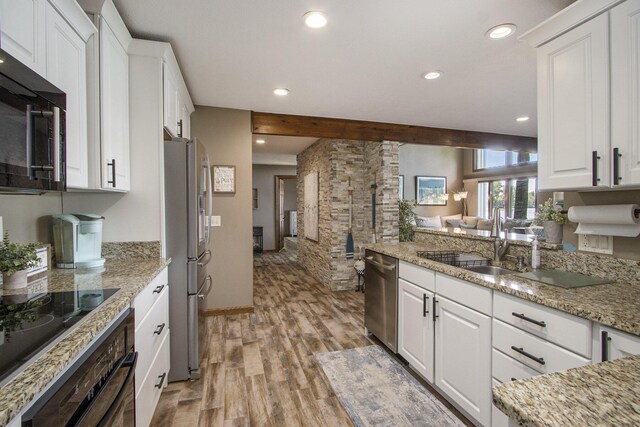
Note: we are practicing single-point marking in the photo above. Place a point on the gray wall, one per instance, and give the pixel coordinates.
(26, 217)
(428, 160)
(264, 180)
(226, 134)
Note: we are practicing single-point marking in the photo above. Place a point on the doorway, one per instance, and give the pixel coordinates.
(286, 196)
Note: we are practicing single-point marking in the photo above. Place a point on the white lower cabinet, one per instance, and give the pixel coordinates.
(612, 344)
(498, 418)
(415, 327)
(463, 357)
(152, 344)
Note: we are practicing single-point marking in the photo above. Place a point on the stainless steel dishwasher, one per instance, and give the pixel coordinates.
(381, 298)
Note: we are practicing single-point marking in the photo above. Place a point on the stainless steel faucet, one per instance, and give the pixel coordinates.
(500, 245)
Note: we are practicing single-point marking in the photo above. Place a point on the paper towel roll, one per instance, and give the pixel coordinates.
(606, 220)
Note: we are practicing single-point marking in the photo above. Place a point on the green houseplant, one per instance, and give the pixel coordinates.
(15, 259)
(552, 220)
(407, 220)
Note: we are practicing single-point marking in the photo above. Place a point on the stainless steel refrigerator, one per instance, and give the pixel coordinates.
(188, 204)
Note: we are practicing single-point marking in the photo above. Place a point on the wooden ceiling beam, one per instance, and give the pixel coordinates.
(324, 127)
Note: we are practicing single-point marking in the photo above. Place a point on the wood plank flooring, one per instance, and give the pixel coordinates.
(259, 368)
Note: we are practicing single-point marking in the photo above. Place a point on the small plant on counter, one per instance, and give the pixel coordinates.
(16, 257)
(407, 220)
(547, 212)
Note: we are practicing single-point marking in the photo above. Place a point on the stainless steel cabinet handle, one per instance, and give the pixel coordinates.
(161, 383)
(425, 311)
(520, 350)
(435, 316)
(604, 345)
(180, 128)
(113, 173)
(594, 168)
(159, 329)
(616, 166)
(528, 319)
(158, 289)
(57, 145)
(380, 265)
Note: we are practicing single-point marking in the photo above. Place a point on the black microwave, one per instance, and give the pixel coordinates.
(32, 130)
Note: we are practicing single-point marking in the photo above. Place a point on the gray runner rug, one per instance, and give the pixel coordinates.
(376, 391)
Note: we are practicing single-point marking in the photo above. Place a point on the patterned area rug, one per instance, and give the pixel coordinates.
(376, 391)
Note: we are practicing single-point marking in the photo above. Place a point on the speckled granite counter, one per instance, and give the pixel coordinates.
(130, 275)
(605, 394)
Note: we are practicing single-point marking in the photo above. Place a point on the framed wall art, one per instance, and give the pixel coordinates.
(224, 179)
(431, 190)
(311, 206)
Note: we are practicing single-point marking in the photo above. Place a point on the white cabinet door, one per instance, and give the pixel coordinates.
(114, 111)
(573, 108)
(463, 357)
(21, 32)
(171, 101)
(613, 344)
(415, 327)
(185, 121)
(67, 69)
(625, 93)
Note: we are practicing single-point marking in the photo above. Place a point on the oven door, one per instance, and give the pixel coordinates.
(31, 139)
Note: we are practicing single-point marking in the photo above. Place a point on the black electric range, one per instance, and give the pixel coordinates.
(30, 323)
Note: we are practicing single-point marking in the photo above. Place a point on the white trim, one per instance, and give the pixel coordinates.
(75, 17)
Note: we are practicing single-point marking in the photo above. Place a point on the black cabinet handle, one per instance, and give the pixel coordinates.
(158, 289)
(425, 311)
(520, 350)
(113, 173)
(604, 345)
(594, 168)
(616, 166)
(162, 377)
(159, 329)
(180, 128)
(514, 379)
(528, 319)
(435, 316)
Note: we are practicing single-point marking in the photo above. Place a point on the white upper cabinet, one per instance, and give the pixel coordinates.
(21, 32)
(171, 102)
(625, 94)
(573, 109)
(589, 96)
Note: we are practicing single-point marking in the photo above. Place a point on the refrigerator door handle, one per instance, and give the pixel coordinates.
(207, 166)
(201, 294)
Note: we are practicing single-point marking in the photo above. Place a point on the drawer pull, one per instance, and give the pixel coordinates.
(604, 343)
(528, 319)
(425, 300)
(159, 329)
(158, 289)
(435, 316)
(520, 350)
(161, 383)
(514, 379)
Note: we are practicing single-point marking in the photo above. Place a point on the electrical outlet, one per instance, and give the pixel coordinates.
(595, 243)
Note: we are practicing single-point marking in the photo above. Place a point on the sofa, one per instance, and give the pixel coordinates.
(468, 222)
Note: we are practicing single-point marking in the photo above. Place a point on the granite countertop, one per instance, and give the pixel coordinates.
(616, 305)
(602, 394)
(131, 275)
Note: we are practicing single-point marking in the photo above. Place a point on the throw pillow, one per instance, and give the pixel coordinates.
(470, 220)
(454, 223)
(468, 226)
(447, 218)
(429, 221)
(484, 224)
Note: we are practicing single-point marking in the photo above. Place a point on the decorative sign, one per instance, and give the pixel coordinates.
(311, 206)
(224, 179)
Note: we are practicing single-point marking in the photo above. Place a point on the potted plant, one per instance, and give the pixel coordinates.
(15, 259)
(407, 220)
(552, 220)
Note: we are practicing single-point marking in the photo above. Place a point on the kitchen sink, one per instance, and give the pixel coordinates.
(489, 269)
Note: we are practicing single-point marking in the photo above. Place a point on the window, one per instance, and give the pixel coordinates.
(489, 159)
(516, 196)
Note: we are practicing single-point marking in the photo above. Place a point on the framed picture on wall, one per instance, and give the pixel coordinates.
(224, 179)
(431, 190)
(401, 188)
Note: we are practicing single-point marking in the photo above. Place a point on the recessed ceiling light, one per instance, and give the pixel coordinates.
(314, 19)
(501, 31)
(281, 91)
(432, 75)
(260, 141)
(522, 118)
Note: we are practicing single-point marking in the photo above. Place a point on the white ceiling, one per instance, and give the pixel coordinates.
(365, 64)
(279, 150)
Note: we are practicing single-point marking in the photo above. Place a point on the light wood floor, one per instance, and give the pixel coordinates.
(259, 369)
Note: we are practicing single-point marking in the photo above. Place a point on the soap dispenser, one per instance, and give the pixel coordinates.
(535, 253)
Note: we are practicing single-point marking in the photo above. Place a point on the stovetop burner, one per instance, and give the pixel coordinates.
(28, 323)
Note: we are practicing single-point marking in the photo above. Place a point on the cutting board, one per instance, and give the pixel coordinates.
(564, 279)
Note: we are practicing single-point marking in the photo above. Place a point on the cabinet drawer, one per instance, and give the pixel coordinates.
(466, 293)
(616, 345)
(420, 276)
(552, 357)
(149, 295)
(152, 386)
(560, 328)
(151, 333)
(505, 369)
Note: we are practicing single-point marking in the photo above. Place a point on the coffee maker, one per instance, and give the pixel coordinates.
(77, 239)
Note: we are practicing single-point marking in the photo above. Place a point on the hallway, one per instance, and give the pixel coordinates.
(259, 369)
